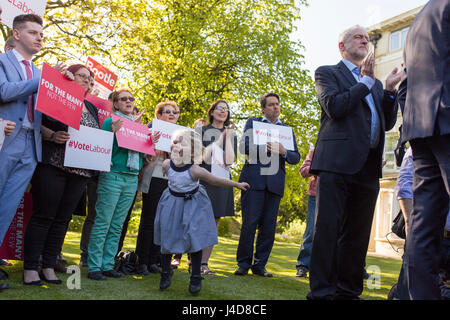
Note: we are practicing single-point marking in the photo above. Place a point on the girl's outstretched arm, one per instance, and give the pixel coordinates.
(203, 174)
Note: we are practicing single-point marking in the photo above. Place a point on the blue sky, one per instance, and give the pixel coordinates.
(323, 20)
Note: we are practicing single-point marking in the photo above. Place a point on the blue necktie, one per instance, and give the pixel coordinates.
(375, 125)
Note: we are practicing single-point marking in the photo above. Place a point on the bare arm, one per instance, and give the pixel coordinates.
(406, 205)
(203, 174)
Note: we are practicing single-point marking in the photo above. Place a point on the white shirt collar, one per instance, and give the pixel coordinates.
(349, 65)
(19, 57)
(276, 122)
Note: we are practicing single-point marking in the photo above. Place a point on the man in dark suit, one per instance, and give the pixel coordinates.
(356, 112)
(265, 171)
(19, 81)
(426, 125)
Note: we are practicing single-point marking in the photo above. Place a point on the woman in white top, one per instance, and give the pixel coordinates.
(152, 185)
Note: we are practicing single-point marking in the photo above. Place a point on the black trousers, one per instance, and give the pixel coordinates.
(431, 191)
(56, 194)
(147, 251)
(344, 213)
(90, 217)
(259, 212)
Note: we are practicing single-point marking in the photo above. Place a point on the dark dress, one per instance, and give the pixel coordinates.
(222, 198)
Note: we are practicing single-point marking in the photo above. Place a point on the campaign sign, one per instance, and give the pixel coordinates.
(134, 136)
(267, 132)
(104, 107)
(218, 167)
(89, 148)
(60, 98)
(12, 246)
(2, 132)
(167, 130)
(13, 8)
(105, 79)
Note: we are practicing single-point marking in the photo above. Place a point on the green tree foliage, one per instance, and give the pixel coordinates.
(195, 52)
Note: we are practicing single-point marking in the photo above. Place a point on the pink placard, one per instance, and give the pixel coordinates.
(134, 136)
(104, 107)
(60, 98)
(12, 246)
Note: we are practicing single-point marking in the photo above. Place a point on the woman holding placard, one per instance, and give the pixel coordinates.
(56, 190)
(115, 194)
(152, 185)
(220, 144)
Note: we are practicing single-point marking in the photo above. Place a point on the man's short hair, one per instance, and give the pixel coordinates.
(20, 20)
(345, 34)
(10, 43)
(265, 96)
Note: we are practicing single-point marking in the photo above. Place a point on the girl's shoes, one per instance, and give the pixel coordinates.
(165, 280)
(195, 284)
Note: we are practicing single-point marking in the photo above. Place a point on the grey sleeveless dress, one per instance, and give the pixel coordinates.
(184, 219)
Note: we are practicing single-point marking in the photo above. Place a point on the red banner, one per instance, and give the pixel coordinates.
(103, 75)
(60, 98)
(12, 246)
(134, 136)
(104, 107)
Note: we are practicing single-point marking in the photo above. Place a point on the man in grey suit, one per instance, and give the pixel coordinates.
(19, 82)
(426, 125)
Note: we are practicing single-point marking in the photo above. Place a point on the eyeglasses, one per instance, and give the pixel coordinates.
(220, 108)
(83, 76)
(125, 99)
(171, 112)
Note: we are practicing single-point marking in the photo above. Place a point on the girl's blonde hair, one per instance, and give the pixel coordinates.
(195, 138)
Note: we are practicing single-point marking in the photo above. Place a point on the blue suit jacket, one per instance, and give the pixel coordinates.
(251, 171)
(14, 92)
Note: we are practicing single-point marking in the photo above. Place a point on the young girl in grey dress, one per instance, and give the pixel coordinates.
(184, 218)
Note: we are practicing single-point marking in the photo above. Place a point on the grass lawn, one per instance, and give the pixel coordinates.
(223, 286)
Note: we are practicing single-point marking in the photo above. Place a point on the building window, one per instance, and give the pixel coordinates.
(397, 39)
(389, 156)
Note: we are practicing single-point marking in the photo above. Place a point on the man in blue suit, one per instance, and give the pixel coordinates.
(19, 82)
(265, 171)
(426, 125)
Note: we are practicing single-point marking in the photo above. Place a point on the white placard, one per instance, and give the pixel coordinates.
(13, 8)
(89, 148)
(2, 132)
(167, 130)
(218, 167)
(267, 132)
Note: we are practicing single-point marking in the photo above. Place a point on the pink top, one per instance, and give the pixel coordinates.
(304, 171)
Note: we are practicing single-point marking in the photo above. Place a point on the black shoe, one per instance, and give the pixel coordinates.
(96, 275)
(113, 274)
(241, 272)
(142, 269)
(365, 275)
(3, 274)
(42, 276)
(153, 268)
(83, 261)
(165, 280)
(195, 284)
(4, 286)
(31, 283)
(262, 272)
(302, 272)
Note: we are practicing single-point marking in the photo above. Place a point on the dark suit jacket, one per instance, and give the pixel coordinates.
(343, 143)
(427, 61)
(251, 171)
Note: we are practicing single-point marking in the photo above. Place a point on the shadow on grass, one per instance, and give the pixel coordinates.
(223, 286)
